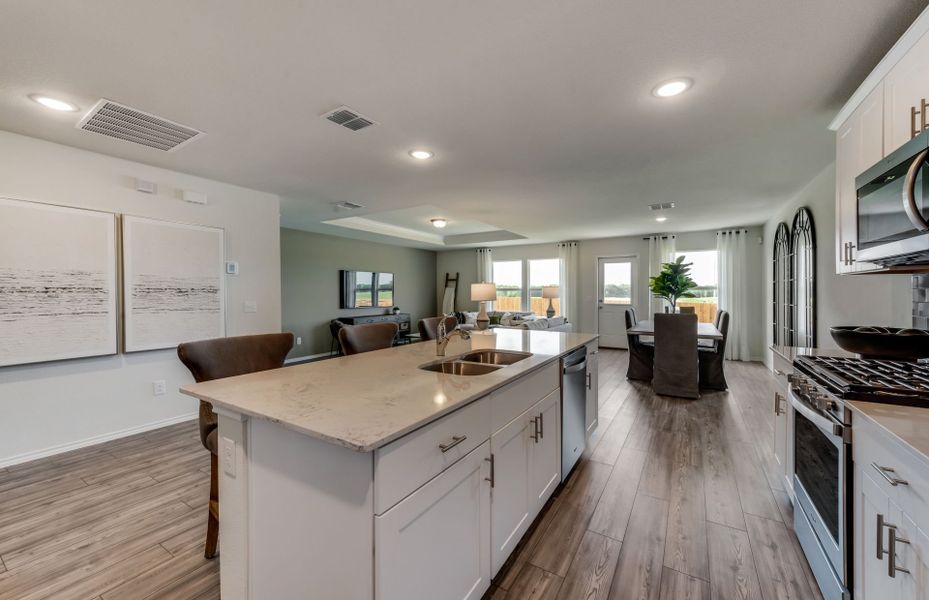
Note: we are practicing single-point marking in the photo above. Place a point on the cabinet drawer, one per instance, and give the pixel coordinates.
(782, 369)
(874, 447)
(405, 464)
(513, 400)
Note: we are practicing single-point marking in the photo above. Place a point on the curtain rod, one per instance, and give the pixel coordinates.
(663, 237)
(735, 231)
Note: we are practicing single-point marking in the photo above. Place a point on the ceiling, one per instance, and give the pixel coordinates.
(540, 113)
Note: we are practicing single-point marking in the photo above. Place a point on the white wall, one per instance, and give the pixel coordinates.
(465, 262)
(843, 299)
(55, 406)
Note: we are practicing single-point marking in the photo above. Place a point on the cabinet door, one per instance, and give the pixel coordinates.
(545, 451)
(509, 512)
(859, 145)
(781, 433)
(435, 543)
(905, 87)
(913, 557)
(871, 506)
(593, 376)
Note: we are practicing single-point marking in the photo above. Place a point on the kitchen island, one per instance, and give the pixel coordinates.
(367, 476)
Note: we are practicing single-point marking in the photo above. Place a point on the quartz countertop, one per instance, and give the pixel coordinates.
(367, 400)
(908, 424)
(789, 353)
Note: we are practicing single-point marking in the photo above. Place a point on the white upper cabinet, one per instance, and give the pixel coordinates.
(859, 145)
(906, 90)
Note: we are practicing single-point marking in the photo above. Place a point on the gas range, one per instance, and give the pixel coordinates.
(886, 381)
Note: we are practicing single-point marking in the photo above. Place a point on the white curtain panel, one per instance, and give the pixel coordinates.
(485, 269)
(567, 291)
(733, 290)
(660, 250)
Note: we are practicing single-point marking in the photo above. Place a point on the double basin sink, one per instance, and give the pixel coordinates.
(477, 362)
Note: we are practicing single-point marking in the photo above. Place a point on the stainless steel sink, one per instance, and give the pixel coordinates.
(495, 357)
(458, 367)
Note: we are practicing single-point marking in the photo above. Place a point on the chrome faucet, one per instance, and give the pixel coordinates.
(442, 336)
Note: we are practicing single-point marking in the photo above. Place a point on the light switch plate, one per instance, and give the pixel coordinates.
(227, 455)
(159, 387)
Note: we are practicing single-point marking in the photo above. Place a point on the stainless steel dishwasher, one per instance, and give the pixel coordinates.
(573, 409)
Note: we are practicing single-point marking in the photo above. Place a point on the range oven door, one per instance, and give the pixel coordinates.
(893, 207)
(821, 482)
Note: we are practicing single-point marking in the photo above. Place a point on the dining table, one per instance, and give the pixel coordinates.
(705, 331)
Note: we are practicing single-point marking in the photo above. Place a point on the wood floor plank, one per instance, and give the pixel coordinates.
(612, 513)
(732, 566)
(591, 572)
(780, 569)
(685, 544)
(611, 444)
(678, 586)
(755, 494)
(638, 570)
(157, 580)
(534, 583)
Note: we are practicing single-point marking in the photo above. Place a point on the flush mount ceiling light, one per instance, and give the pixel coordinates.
(673, 87)
(53, 103)
(421, 154)
(661, 219)
(439, 223)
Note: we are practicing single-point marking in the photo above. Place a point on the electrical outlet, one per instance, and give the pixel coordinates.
(227, 452)
(159, 388)
(299, 341)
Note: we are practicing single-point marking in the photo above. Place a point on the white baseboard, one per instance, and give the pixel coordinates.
(91, 441)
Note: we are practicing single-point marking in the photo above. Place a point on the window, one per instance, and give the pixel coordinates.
(542, 273)
(704, 272)
(617, 281)
(520, 283)
(508, 275)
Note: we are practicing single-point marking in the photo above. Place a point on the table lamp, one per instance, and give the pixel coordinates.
(483, 293)
(550, 291)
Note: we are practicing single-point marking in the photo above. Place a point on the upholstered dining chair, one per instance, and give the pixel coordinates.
(686, 310)
(711, 343)
(356, 339)
(641, 355)
(712, 358)
(428, 328)
(216, 359)
(676, 361)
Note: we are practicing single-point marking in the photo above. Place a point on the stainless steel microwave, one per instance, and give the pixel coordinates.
(893, 207)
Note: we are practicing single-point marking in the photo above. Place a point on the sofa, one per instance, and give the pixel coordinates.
(516, 320)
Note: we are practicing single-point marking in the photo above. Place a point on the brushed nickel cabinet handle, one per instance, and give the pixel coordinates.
(892, 539)
(535, 428)
(779, 373)
(588, 380)
(880, 536)
(456, 439)
(542, 425)
(492, 476)
(886, 474)
(851, 254)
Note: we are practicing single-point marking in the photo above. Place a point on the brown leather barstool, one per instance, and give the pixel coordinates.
(356, 339)
(428, 327)
(216, 359)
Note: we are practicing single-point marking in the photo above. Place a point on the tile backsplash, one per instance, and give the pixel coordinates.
(921, 301)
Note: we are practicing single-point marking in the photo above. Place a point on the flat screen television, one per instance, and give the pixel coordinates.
(366, 289)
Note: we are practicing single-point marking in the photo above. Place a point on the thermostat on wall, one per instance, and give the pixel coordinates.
(194, 197)
(232, 267)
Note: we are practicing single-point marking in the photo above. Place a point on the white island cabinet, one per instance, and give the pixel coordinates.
(366, 477)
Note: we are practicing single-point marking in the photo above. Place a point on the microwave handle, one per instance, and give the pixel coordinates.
(909, 192)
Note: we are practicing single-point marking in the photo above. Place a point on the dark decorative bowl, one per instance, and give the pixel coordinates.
(883, 342)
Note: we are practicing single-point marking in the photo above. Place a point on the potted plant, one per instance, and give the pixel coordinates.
(673, 282)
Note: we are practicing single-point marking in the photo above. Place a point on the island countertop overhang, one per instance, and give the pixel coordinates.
(368, 400)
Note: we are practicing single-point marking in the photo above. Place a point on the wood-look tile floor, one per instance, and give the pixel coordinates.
(672, 499)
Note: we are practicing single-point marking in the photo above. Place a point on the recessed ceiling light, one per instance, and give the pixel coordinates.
(421, 154)
(53, 103)
(672, 88)
(661, 219)
(439, 223)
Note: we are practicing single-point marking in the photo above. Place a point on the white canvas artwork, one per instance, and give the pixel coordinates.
(58, 291)
(173, 283)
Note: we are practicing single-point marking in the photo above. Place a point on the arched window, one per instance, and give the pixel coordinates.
(802, 281)
(781, 291)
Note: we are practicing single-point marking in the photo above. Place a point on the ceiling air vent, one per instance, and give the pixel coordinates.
(122, 122)
(345, 205)
(349, 118)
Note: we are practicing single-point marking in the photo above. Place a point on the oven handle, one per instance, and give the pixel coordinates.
(909, 192)
(826, 425)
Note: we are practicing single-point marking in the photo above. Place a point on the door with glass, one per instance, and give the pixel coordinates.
(615, 294)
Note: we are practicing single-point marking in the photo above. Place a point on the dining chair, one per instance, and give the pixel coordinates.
(216, 359)
(356, 339)
(711, 343)
(712, 359)
(334, 347)
(641, 355)
(429, 327)
(676, 362)
(687, 310)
